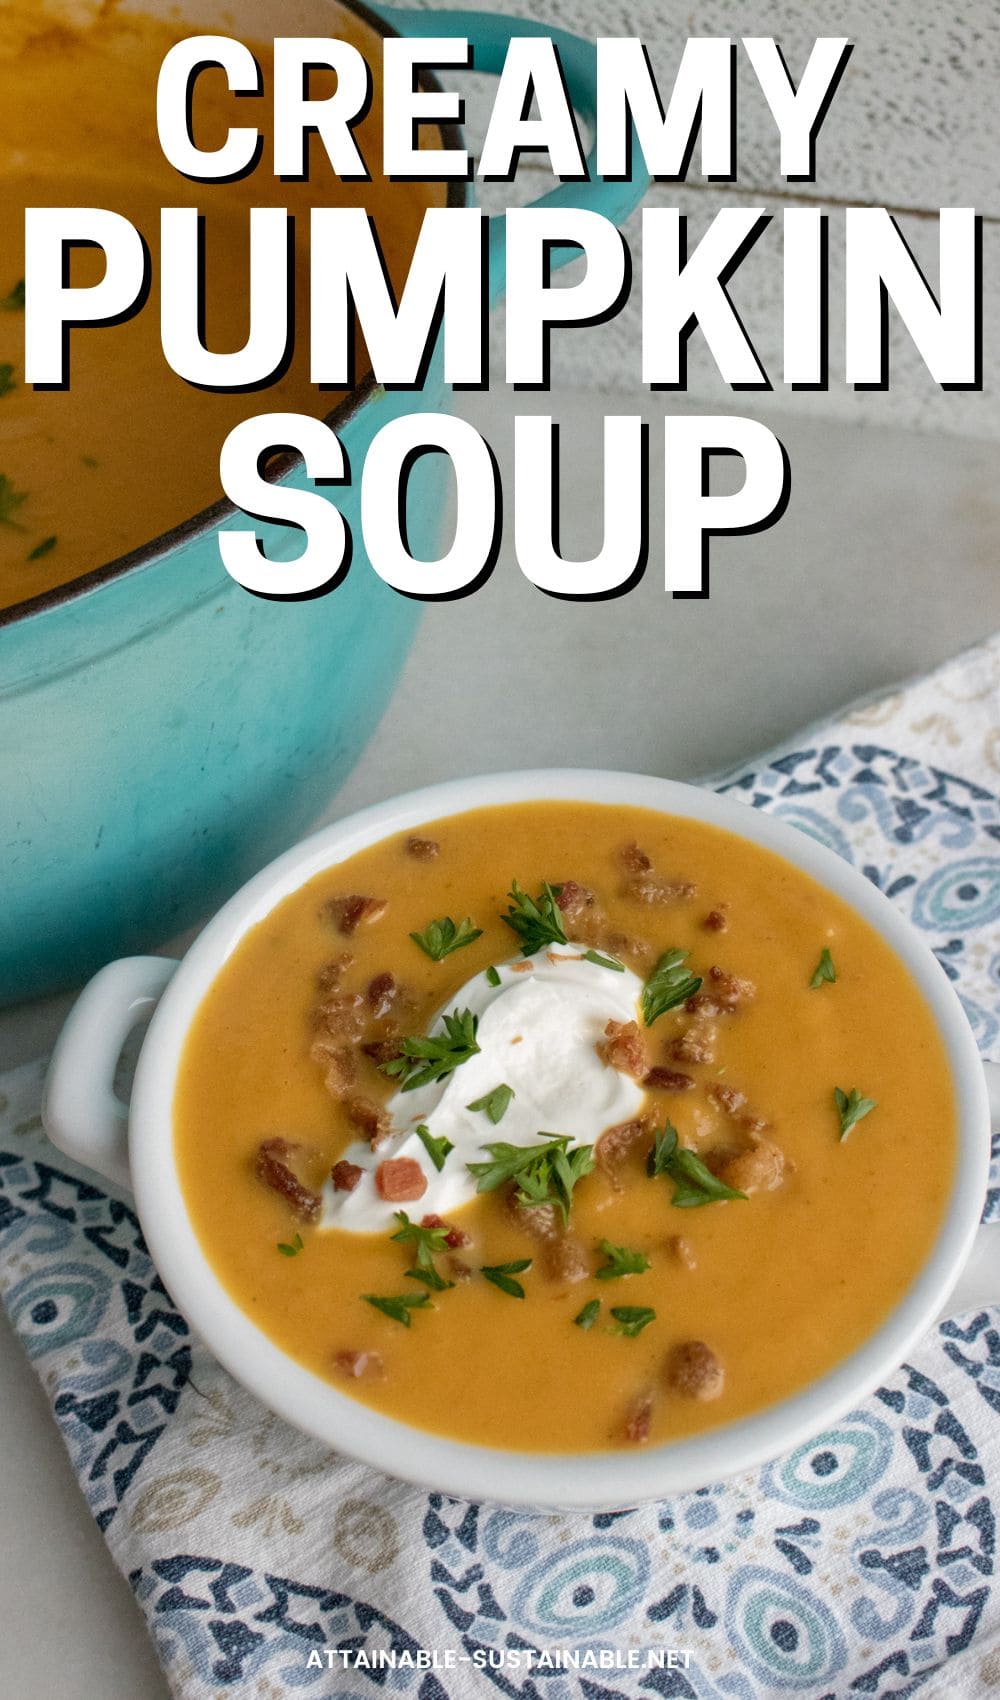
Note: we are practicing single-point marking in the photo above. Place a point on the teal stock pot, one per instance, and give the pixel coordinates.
(162, 732)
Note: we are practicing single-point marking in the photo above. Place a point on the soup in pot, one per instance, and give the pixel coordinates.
(130, 450)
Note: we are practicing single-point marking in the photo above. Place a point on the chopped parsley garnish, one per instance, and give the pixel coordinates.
(545, 1174)
(621, 1261)
(824, 970)
(586, 1317)
(399, 1306)
(428, 1242)
(14, 302)
(501, 1275)
(695, 1184)
(668, 985)
(10, 501)
(494, 1104)
(600, 961)
(851, 1108)
(292, 1250)
(537, 921)
(630, 1320)
(6, 378)
(424, 1060)
(492, 976)
(436, 1149)
(42, 548)
(442, 937)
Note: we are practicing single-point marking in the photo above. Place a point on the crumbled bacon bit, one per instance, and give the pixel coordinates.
(332, 972)
(383, 1050)
(703, 1004)
(693, 1370)
(345, 1175)
(667, 1080)
(454, 1238)
(358, 1364)
(273, 1168)
(347, 913)
(728, 1098)
(696, 1045)
(730, 989)
(760, 1168)
(381, 994)
(614, 1144)
(635, 860)
(422, 849)
(337, 1062)
(564, 1259)
(371, 1119)
(400, 1179)
(573, 898)
(682, 1250)
(623, 944)
(716, 921)
(458, 1269)
(622, 1048)
(540, 1221)
(638, 1418)
(651, 889)
(342, 1015)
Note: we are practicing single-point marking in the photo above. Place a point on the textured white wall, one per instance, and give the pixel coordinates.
(914, 126)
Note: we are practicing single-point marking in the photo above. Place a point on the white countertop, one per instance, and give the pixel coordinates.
(884, 564)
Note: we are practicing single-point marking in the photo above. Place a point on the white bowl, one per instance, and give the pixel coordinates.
(134, 1147)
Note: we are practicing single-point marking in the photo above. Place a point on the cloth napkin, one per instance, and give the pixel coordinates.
(862, 1564)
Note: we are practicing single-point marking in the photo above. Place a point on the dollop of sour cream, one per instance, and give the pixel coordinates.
(537, 1034)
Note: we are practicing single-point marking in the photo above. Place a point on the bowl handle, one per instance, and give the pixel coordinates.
(979, 1282)
(81, 1111)
(490, 34)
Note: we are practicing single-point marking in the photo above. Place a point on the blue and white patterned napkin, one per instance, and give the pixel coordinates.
(862, 1564)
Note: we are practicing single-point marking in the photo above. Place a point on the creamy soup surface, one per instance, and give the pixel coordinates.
(775, 1182)
(130, 450)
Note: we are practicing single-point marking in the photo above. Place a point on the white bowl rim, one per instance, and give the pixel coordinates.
(462, 1469)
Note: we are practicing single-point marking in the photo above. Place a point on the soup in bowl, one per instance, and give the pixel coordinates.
(565, 1138)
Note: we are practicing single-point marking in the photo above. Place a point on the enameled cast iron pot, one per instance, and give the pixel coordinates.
(134, 1147)
(163, 732)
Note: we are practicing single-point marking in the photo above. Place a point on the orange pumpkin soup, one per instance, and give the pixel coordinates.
(130, 450)
(565, 1127)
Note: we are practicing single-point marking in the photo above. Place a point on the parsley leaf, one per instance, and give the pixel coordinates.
(14, 302)
(695, 1183)
(668, 985)
(10, 501)
(431, 1279)
(500, 1275)
(851, 1107)
(600, 961)
(586, 1317)
(42, 548)
(536, 921)
(621, 1261)
(436, 1149)
(630, 1320)
(494, 1104)
(428, 1241)
(424, 1060)
(400, 1306)
(293, 1249)
(442, 937)
(824, 970)
(492, 976)
(6, 378)
(545, 1174)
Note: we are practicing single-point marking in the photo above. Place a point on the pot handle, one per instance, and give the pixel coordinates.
(81, 1111)
(979, 1282)
(489, 35)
